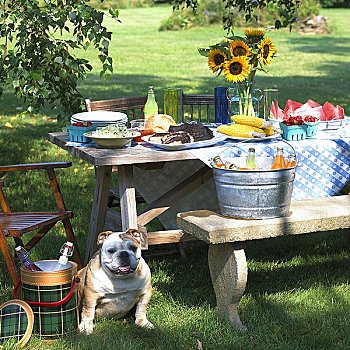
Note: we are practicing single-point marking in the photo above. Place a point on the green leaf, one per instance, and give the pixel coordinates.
(105, 44)
(58, 60)
(203, 52)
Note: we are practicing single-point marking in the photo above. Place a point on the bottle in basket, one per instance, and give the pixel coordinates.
(66, 251)
(151, 106)
(279, 162)
(251, 159)
(23, 255)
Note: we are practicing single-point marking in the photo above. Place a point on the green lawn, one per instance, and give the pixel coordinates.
(298, 292)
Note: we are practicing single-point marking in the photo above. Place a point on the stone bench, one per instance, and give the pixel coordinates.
(226, 237)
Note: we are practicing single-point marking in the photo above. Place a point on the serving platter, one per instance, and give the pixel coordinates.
(218, 137)
(253, 139)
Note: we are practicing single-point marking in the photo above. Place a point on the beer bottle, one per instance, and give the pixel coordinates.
(218, 163)
(66, 251)
(279, 162)
(250, 164)
(292, 161)
(23, 255)
(151, 106)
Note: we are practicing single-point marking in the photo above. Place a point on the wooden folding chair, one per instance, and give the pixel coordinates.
(197, 107)
(132, 106)
(16, 224)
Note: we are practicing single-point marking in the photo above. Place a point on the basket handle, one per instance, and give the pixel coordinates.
(76, 280)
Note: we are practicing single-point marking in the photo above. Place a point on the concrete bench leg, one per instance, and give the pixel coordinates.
(228, 271)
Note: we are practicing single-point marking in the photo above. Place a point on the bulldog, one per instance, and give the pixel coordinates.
(115, 280)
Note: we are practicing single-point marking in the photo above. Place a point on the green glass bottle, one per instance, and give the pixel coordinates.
(251, 159)
(151, 106)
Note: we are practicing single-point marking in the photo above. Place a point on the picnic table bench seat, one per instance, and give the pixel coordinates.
(226, 237)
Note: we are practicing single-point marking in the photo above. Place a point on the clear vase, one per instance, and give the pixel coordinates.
(244, 99)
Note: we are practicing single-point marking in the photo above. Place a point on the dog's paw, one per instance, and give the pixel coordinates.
(144, 323)
(86, 327)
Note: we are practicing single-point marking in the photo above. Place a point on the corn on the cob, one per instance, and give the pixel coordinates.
(269, 131)
(251, 121)
(239, 130)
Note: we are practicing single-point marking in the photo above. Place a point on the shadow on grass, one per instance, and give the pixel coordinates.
(324, 44)
(274, 266)
(273, 323)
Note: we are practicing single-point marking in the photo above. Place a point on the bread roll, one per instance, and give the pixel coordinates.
(159, 122)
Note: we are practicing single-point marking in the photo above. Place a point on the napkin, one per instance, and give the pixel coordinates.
(324, 112)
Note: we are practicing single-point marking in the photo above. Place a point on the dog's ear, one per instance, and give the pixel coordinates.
(103, 236)
(139, 234)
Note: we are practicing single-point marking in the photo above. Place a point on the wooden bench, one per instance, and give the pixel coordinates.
(226, 237)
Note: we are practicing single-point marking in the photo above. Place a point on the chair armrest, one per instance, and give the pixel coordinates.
(34, 166)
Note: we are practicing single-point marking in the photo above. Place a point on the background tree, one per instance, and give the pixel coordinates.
(38, 52)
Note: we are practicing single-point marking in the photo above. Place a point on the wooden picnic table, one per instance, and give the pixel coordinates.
(179, 181)
(127, 160)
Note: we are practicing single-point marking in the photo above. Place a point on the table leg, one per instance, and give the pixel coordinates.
(228, 271)
(128, 208)
(99, 207)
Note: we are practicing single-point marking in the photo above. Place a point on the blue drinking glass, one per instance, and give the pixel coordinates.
(221, 105)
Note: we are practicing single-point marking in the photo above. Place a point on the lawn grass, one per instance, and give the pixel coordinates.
(298, 292)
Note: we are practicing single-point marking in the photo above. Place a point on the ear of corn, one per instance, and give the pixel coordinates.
(251, 121)
(239, 130)
(269, 131)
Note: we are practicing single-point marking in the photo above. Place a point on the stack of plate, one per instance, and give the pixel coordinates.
(100, 118)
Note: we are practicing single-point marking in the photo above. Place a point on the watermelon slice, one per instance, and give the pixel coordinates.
(312, 103)
(291, 106)
(329, 111)
(341, 114)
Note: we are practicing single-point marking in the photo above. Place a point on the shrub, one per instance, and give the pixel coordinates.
(213, 11)
(335, 3)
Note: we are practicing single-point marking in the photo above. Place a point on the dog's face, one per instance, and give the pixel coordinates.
(120, 252)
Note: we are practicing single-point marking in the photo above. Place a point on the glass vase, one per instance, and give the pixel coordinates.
(244, 99)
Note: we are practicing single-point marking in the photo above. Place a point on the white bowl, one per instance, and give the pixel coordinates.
(112, 142)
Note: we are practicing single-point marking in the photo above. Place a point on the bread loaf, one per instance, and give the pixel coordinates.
(159, 122)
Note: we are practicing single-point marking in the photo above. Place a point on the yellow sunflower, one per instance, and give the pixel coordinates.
(253, 32)
(239, 48)
(237, 69)
(216, 59)
(267, 51)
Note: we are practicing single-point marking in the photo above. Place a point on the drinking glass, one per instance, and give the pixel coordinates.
(221, 105)
(270, 103)
(171, 102)
(139, 125)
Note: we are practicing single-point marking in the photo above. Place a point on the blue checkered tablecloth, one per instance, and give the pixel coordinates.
(323, 162)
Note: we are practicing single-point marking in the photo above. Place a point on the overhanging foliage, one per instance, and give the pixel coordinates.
(39, 43)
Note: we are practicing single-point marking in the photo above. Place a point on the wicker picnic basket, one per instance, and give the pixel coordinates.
(52, 297)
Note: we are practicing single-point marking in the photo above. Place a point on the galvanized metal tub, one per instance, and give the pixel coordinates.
(254, 194)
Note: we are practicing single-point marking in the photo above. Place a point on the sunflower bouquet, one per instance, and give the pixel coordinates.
(238, 58)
